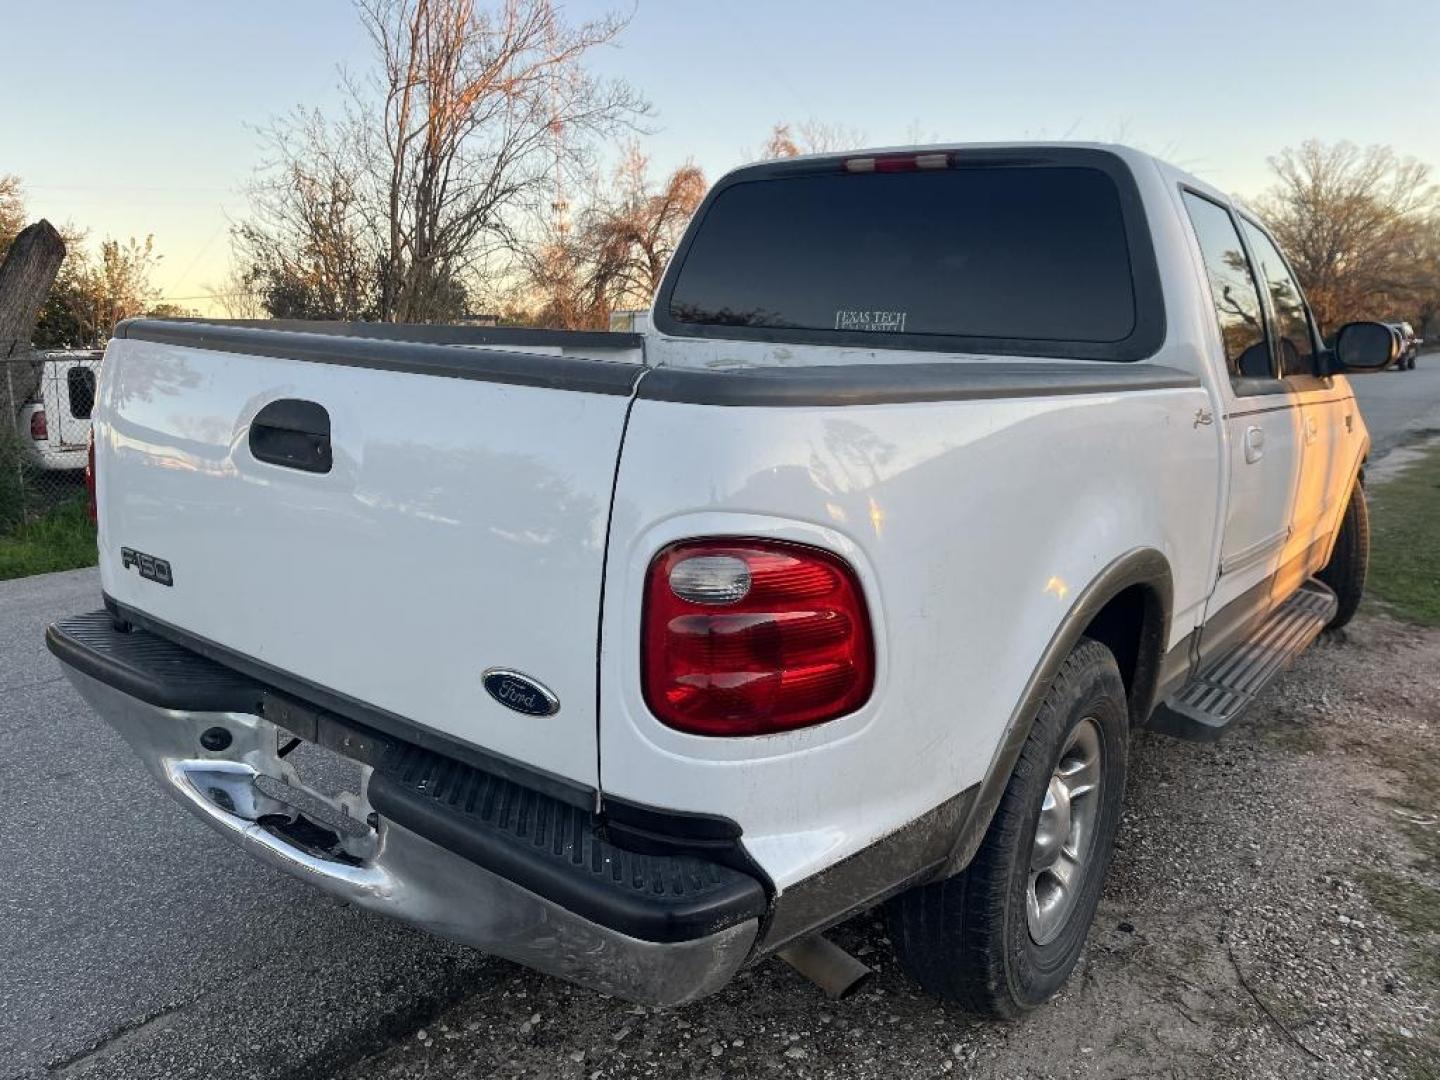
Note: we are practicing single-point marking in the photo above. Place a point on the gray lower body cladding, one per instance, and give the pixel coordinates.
(439, 843)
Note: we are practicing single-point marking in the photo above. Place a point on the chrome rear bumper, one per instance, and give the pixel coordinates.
(389, 869)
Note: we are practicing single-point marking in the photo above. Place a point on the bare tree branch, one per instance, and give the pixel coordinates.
(808, 137)
(1352, 222)
(469, 116)
(617, 255)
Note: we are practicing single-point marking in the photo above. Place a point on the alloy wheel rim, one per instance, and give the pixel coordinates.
(1064, 839)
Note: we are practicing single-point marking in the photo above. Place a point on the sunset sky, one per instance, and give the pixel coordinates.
(137, 118)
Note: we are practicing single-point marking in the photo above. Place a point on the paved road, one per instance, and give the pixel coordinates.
(133, 944)
(1398, 405)
(128, 936)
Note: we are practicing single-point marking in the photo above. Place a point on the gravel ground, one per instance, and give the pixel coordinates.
(1272, 911)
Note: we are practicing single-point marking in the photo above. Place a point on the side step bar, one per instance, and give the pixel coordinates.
(1203, 708)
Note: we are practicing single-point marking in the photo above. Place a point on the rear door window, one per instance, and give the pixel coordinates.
(1296, 346)
(1016, 256)
(1232, 289)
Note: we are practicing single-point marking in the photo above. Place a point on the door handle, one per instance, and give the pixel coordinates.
(293, 434)
(1254, 444)
(1312, 428)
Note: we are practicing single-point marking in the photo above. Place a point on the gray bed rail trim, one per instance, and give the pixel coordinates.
(386, 354)
(429, 333)
(877, 384)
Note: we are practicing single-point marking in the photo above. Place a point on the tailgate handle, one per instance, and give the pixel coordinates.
(293, 434)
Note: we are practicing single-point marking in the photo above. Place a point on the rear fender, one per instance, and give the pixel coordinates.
(1140, 566)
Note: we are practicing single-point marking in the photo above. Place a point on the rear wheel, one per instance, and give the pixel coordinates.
(1003, 935)
(1350, 561)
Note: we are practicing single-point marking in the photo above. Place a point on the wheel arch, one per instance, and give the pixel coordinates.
(1357, 482)
(1134, 625)
(1127, 606)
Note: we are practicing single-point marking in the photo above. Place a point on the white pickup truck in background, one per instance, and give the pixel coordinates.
(57, 420)
(936, 472)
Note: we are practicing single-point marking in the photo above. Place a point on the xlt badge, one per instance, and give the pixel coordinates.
(150, 568)
(519, 692)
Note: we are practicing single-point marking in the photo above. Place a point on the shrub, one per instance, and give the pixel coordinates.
(12, 484)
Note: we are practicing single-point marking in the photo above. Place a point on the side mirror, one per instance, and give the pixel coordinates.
(1365, 346)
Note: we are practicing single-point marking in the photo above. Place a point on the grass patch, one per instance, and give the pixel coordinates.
(1426, 969)
(1294, 738)
(62, 539)
(1425, 839)
(1404, 555)
(1414, 1059)
(1413, 906)
(1414, 805)
(12, 484)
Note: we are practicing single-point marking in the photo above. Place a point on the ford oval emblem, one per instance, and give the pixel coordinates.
(519, 692)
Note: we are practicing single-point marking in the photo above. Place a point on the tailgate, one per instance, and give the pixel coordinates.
(459, 527)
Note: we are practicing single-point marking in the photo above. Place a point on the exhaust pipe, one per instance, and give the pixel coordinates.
(825, 964)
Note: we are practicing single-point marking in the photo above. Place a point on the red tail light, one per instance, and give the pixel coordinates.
(39, 429)
(91, 505)
(750, 637)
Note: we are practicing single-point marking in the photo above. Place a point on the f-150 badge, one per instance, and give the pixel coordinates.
(520, 692)
(148, 566)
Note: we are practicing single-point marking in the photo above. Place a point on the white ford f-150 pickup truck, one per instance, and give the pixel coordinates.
(935, 473)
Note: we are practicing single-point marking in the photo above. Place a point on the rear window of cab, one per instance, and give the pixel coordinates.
(956, 253)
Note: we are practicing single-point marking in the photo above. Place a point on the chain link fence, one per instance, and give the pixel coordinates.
(43, 451)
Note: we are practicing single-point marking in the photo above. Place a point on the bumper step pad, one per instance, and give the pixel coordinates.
(145, 666)
(1203, 708)
(560, 852)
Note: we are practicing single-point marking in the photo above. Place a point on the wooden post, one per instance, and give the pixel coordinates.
(26, 275)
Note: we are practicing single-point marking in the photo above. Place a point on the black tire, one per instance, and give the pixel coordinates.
(967, 938)
(1350, 560)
